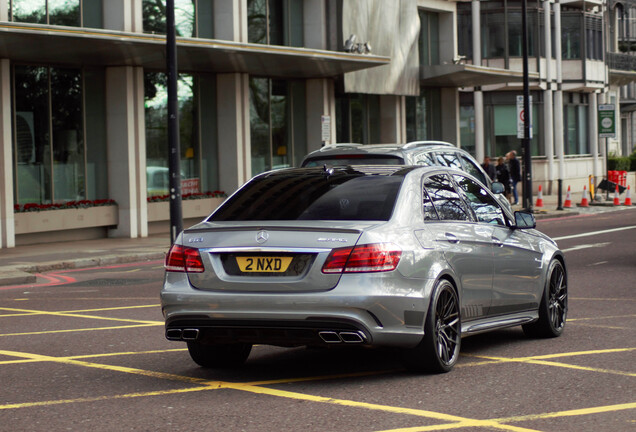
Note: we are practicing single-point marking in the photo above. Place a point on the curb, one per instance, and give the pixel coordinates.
(26, 274)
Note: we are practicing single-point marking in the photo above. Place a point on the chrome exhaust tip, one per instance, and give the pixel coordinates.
(351, 337)
(173, 334)
(189, 334)
(329, 337)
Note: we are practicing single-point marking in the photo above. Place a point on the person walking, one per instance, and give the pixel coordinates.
(489, 168)
(514, 167)
(503, 176)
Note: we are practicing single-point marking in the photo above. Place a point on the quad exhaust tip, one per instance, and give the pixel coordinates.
(332, 337)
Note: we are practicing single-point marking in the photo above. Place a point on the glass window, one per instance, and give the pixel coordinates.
(68, 139)
(313, 196)
(446, 200)
(154, 17)
(275, 22)
(56, 12)
(515, 33)
(480, 201)
(429, 209)
(571, 36)
(357, 118)
(156, 112)
(449, 159)
(464, 30)
(32, 137)
(429, 38)
(493, 36)
(423, 115)
(53, 161)
(471, 168)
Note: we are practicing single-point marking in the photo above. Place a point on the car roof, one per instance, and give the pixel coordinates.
(380, 148)
(385, 170)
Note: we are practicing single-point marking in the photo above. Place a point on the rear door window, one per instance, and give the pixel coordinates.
(449, 159)
(346, 195)
(446, 201)
(480, 201)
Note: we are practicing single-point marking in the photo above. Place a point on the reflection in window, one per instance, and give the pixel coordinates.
(446, 200)
(49, 138)
(483, 204)
(571, 36)
(471, 168)
(449, 160)
(428, 207)
(357, 118)
(423, 115)
(73, 13)
(275, 22)
(156, 103)
(277, 123)
(154, 16)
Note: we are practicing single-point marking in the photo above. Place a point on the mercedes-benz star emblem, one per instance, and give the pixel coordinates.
(261, 236)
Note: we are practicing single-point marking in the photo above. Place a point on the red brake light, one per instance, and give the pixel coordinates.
(380, 257)
(184, 259)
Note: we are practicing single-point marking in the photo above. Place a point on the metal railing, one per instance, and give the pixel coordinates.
(619, 61)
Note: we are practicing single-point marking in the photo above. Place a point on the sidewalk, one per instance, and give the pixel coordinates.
(20, 265)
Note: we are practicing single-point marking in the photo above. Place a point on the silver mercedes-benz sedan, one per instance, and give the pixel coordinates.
(407, 257)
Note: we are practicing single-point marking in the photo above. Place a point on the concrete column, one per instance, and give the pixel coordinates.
(123, 15)
(4, 10)
(321, 100)
(593, 133)
(233, 108)
(126, 142)
(230, 20)
(478, 96)
(548, 108)
(315, 24)
(7, 222)
(392, 110)
(450, 115)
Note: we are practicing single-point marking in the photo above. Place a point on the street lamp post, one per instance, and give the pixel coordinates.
(527, 157)
(174, 153)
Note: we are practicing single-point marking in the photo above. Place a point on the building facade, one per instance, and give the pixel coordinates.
(83, 99)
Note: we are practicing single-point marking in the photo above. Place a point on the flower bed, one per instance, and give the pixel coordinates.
(36, 207)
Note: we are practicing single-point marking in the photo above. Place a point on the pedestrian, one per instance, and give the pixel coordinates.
(490, 169)
(503, 176)
(514, 167)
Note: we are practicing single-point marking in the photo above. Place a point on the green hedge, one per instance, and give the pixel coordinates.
(620, 163)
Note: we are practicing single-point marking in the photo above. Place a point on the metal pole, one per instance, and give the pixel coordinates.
(527, 157)
(174, 152)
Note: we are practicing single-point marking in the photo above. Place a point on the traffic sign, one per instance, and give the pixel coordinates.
(521, 117)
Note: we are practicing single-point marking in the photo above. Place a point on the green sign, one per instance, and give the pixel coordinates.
(606, 121)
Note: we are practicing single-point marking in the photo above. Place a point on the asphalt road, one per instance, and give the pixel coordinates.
(84, 350)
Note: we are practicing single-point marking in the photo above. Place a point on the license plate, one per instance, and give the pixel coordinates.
(263, 264)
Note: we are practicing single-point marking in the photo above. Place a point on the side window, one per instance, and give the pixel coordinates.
(471, 168)
(449, 160)
(483, 204)
(445, 198)
(429, 209)
(425, 159)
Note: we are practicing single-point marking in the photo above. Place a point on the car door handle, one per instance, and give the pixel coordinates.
(497, 242)
(452, 238)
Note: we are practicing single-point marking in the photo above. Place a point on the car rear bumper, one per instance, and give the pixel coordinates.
(351, 313)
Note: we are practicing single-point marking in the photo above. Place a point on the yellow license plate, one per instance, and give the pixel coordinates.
(263, 264)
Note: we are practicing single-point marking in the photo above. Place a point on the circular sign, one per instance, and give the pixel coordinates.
(606, 122)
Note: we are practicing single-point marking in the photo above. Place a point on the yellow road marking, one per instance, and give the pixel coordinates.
(571, 413)
(83, 329)
(76, 315)
(87, 356)
(601, 317)
(602, 326)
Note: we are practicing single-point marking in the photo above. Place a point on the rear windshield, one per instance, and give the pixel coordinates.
(342, 196)
(362, 159)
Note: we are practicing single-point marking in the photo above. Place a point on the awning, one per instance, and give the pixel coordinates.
(467, 75)
(31, 43)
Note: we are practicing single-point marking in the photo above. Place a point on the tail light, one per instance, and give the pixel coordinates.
(379, 257)
(184, 259)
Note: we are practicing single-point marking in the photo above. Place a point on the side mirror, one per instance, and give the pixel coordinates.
(497, 188)
(524, 220)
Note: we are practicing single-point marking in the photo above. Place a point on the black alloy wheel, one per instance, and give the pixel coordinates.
(553, 309)
(439, 349)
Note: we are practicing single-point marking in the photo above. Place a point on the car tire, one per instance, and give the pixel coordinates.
(439, 349)
(219, 356)
(553, 308)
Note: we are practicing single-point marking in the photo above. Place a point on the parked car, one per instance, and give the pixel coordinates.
(427, 153)
(397, 256)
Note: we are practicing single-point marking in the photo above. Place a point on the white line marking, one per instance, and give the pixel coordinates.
(593, 233)
(585, 246)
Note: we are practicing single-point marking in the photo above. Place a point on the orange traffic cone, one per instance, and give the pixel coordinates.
(539, 198)
(617, 201)
(568, 199)
(628, 197)
(584, 201)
